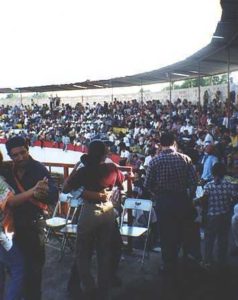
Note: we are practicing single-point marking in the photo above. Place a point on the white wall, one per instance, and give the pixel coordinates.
(190, 94)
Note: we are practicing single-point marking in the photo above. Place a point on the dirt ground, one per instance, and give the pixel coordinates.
(192, 282)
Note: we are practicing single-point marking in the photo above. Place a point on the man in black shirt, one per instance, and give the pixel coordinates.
(29, 216)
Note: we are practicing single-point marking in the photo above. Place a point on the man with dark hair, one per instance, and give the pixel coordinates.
(170, 178)
(29, 216)
(167, 139)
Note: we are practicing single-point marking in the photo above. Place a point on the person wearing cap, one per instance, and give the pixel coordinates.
(28, 217)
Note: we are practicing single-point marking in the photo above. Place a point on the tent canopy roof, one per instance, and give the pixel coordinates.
(210, 60)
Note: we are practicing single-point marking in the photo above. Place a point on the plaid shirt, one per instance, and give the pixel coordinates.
(219, 196)
(170, 171)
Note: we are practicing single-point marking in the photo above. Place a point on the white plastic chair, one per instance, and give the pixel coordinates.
(136, 205)
(69, 231)
(62, 215)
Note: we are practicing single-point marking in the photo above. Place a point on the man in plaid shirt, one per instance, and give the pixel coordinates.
(171, 179)
(218, 195)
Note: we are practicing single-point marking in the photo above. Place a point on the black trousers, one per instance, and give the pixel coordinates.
(174, 212)
(30, 240)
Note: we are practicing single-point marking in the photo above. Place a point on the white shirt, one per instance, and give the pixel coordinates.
(125, 154)
(208, 139)
(147, 160)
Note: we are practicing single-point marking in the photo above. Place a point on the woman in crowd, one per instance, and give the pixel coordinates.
(97, 219)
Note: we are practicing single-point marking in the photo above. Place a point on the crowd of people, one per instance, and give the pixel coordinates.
(172, 147)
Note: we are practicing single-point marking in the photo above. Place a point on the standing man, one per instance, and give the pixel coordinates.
(171, 179)
(28, 217)
(208, 161)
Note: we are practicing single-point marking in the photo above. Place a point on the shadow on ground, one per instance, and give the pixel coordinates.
(191, 283)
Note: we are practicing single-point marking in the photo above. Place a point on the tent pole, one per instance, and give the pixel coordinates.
(112, 91)
(170, 88)
(199, 83)
(228, 74)
(228, 86)
(141, 92)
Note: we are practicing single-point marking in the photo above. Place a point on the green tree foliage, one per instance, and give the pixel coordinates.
(203, 81)
(39, 96)
(10, 96)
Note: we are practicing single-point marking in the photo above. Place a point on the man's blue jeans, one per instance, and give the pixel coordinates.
(12, 261)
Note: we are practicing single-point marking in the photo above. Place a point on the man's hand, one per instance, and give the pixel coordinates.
(41, 189)
(105, 195)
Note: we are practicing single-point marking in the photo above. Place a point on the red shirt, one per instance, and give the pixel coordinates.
(97, 177)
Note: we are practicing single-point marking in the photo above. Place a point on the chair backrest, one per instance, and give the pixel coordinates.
(62, 205)
(140, 204)
(64, 197)
(73, 205)
(135, 204)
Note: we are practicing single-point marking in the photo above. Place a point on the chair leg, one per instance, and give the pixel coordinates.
(144, 250)
(47, 235)
(62, 248)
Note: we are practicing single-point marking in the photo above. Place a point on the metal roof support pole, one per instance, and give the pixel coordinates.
(211, 80)
(21, 97)
(199, 83)
(228, 86)
(228, 73)
(170, 88)
(112, 91)
(141, 92)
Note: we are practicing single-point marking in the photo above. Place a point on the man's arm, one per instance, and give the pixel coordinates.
(52, 193)
(68, 184)
(201, 201)
(103, 196)
(192, 180)
(15, 200)
(149, 182)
